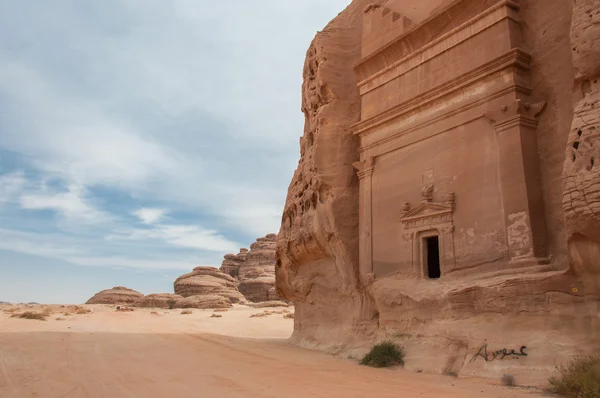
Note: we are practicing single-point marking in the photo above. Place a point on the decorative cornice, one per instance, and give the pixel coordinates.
(514, 58)
(364, 167)
(410, 35)
(519, 113)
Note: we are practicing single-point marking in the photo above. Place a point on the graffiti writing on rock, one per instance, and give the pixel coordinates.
(499, 354)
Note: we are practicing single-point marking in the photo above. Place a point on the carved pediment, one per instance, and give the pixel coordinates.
(427, 209)
(428, 212)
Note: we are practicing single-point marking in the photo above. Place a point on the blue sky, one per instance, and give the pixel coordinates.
(141, 138)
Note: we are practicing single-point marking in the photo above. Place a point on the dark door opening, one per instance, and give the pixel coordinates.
(433, 257)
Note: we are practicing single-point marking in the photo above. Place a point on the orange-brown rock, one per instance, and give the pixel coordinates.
(257, 272)
(453, 234)
(208, 301)
(581, 173)
(317, 245)
(158, 300)
(232, 263)
(208, 281)
(116, 295)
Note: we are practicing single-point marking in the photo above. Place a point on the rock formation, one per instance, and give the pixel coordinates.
(257, 272)
(317, 245)
(427, 206)
(232, 263)
(116, 295)
(208, 301)
(581, 173)
(158, 300)
(208, 281)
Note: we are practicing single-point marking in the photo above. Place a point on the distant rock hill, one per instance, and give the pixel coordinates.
(116, 295)
(203, 281)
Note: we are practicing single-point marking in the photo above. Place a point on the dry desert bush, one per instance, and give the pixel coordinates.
(508, 380)
(384, 355)
(39, 316)
(60, 319)
(216, 316)
(289, 316)
(579, 378)
(186, 312)
(267, 304)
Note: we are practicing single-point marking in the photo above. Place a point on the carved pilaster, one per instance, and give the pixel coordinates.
(365, 248)
(524, 217)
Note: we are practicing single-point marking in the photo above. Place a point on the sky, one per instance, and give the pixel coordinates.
(142, 138)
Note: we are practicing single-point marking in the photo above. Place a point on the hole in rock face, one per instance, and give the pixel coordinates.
(576, 144)
(579, 133)
(432, 248)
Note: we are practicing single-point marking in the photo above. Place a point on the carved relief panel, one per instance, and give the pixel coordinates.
(429, 219)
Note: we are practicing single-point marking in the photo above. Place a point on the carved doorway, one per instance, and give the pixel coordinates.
(431, 257)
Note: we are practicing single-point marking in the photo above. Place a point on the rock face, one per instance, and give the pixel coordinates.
(158, 300)
(208, 301)
(116, 295)
(208, 281)
(427, 205)
(232, 263)
(581, 173)
(257, 272)
(317, 245)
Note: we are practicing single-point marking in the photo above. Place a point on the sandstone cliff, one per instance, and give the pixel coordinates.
(317, 245)
(232, 263)
(581, 173)
(543, 314)
(208, 301)
(116, 295)
(257, 272)
(208, 281)
(158, 300)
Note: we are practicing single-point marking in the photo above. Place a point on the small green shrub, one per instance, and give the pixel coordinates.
(384, 355)
(579, 378)
(508, 380)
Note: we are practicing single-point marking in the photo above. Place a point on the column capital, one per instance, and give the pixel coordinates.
(518, 113)
(364, 167)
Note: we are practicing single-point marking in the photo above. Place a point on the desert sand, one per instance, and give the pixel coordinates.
(162, 353)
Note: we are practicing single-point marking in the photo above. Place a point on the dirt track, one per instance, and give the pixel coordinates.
(142, 362)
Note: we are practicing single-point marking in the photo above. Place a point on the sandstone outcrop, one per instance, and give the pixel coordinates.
(158, 300)
(208, 281)
(427, 206)
(232, 263)
(208, 301)
(317, 245)
(581, 173)
(116, 295)
(257, 272)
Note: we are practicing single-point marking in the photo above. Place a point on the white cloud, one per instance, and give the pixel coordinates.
(70, 204)
(149, 215)
(186, 236)
(11, 184)
(187, 104)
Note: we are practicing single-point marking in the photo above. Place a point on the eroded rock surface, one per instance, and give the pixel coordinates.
(519, 312)
(158, 300)
(208, 301)
(317, 245)
(581, 173)
(116, 295)
(257, 272)
(232, 263)
(208, 281)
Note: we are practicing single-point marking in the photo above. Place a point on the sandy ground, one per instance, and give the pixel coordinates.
(139, 354)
